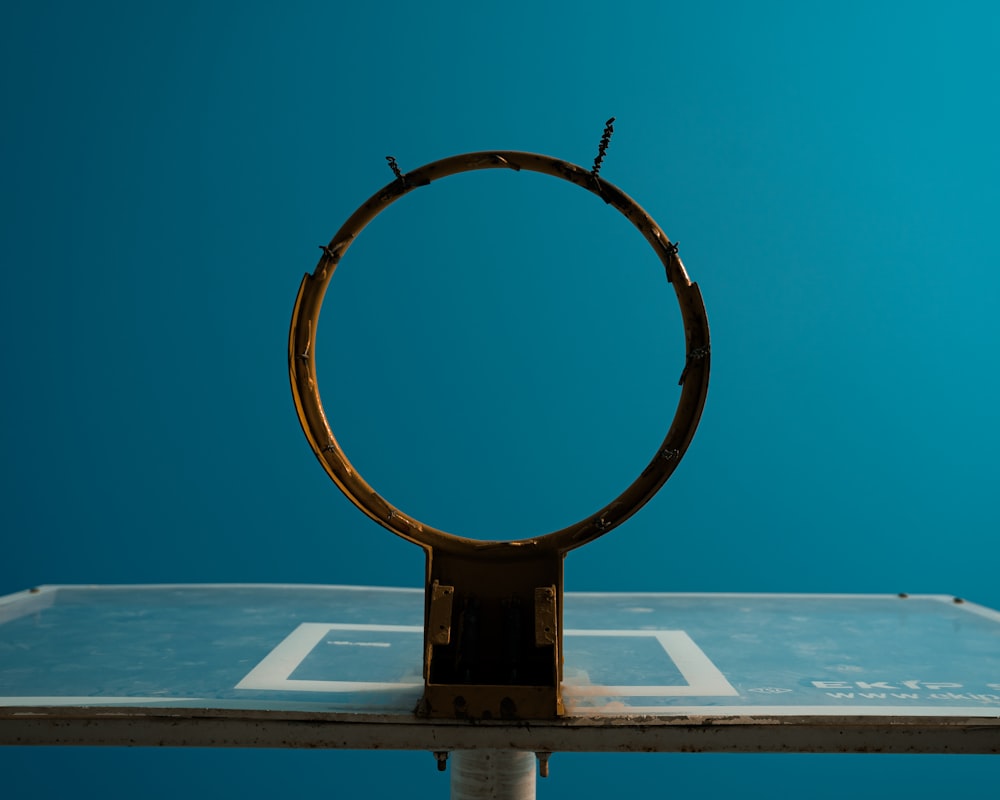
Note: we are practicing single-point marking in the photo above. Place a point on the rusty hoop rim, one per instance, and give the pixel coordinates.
(309, 406)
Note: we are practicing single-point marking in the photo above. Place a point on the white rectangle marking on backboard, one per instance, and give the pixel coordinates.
(703, 678)
(273, 673)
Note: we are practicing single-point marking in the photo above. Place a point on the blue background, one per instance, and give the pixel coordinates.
(499, 352)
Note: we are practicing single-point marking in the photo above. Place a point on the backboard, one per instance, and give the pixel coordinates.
(326, 666)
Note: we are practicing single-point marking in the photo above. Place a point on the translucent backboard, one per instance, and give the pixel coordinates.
(324, 666)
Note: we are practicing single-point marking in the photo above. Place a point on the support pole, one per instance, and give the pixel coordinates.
(492, 775)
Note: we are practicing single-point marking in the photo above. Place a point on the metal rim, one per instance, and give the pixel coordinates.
(309, 407)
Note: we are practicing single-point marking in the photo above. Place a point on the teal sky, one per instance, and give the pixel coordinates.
(499, 352)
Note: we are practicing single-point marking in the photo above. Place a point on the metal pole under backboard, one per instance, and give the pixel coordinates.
(494, 774)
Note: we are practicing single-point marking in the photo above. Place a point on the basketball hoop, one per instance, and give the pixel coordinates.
(500, 585)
